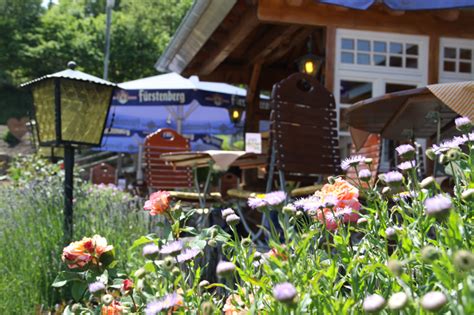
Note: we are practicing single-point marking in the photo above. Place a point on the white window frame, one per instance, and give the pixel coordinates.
(379, 76)
(448, 76)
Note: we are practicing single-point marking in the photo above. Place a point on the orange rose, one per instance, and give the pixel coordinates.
(158, 203)
(114, 308)
(341, 189)
(79, 254)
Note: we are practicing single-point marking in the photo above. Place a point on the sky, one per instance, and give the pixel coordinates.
(45, 2)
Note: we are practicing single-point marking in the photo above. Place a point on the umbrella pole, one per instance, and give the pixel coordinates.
(438, 138)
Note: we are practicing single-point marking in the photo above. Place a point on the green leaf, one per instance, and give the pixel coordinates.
(200, 244)
(78, 289)
(149, 267)
(141, 241)
(58, 284)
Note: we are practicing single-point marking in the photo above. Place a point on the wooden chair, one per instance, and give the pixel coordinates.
(304, 134)
(103, 173)
(159, 175)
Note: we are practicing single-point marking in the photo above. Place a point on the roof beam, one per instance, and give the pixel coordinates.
(270, 42)
(247, 24)
(313, 13)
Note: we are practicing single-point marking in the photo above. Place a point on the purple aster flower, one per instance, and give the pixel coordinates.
(232, 219)
(150, 250)
(225, 268)
(274, 198)
(256, 202)
(172, 248)
(447, 145)
(330, 201)
(227, 212)
(438, 206)
(167, 302)
(405, 149)
(284, 292)
(309, 203)
(352, 161)
(96, 287)
(462, 122)
(188, 254)
(365, 174)
(393, 177)
(407, 165)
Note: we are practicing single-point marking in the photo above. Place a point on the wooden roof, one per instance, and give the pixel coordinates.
(274, 34)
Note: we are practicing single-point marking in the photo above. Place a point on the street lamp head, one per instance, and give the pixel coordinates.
(70, 107)
(71, 65)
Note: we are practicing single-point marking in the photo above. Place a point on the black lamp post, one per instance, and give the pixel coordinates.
(310, 63)
(71, 109)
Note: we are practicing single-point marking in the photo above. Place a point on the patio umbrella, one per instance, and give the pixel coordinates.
(411, 113)
(403, 5)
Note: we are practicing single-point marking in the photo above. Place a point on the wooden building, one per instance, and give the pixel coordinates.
(365, 53)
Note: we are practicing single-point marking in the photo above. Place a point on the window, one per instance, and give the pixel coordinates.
(456, 60)
(379, 53)
(370, 64)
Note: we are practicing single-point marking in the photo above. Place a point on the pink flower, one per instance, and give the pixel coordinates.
(158, 203)
(88, 250)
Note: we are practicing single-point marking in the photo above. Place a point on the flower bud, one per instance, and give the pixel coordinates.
(225, 268)
(391, 233)
(107, 299)
(464, 260)
(246, 242)
(443, 159)
(468, 194)
(214, 233)
(289, 209)
(430, 154)
(395, 267)
(232, 219)
(212, 243)
(176, 271)
(373, 303)
(429, 253)
(368, 161)
(398, 301)
(285, 292)
(433, 301)
(428, 182)
(203, 284)
(227, 212)
(299, 214)
(140, 273)
(386, 191)
(169, 262)
(453, 154)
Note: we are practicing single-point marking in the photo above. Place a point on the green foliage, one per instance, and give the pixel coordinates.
(31, 231)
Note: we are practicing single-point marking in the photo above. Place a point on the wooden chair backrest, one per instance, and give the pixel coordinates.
(371, 149)
(159, 175)
(304, 127)
(103, 173)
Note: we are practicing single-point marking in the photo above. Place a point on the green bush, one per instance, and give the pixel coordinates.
(31, 231)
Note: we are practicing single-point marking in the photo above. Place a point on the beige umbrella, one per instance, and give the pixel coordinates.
(411, 113)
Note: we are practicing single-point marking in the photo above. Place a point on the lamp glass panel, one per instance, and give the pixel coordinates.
(43, 98)
(84, 108)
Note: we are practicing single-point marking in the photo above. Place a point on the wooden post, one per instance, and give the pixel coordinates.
(433, 60)
(253, 99)
(330, 57)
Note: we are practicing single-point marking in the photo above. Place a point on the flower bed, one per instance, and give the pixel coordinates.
(392, 244)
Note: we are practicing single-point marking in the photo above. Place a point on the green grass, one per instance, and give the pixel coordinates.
(31, 225)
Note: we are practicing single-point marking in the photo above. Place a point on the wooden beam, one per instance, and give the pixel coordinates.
(251, 123)
(329, 66)
(314, 13)
(285, 47)
(448, 15)
(433, 60)
(270, 42)
(247, 24)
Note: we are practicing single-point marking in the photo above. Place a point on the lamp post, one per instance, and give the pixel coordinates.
(108, 20)
(71, 109)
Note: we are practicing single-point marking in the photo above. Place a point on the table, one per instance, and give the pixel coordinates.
(216, 160)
